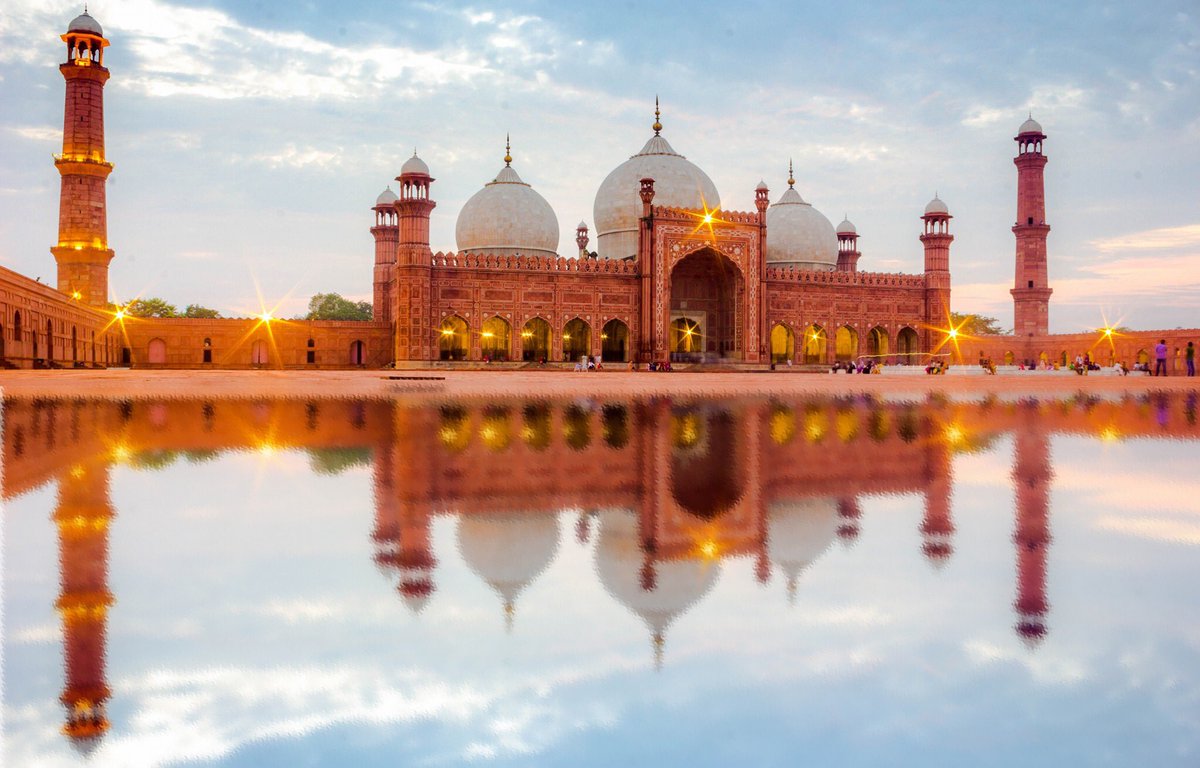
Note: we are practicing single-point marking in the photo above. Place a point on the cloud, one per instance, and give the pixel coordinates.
(292, 156)
(38, 132)
(1166, 238)
(1153, 528)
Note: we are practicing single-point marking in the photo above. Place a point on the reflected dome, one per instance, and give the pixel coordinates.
(508, 550)
(799, 532)
(674, 586)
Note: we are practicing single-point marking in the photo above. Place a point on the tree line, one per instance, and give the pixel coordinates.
(322, 306)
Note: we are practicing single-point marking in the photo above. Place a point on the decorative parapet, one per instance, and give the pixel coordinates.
(533, 263)
(863, 279)
(718, 216)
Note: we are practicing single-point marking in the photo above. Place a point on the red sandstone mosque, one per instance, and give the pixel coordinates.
(674, 277)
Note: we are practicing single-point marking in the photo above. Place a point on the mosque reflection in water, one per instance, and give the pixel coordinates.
(668, 489)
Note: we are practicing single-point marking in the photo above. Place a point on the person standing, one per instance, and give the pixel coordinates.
(1160, 355)
(1190, 356)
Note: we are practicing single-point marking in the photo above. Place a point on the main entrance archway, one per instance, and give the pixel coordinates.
(706, 292)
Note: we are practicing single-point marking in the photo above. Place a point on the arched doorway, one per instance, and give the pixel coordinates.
(577, 340)
(358, 352)
(706, 289)
(17, 337)
(783, 344)
(157, 352)
(496, 339)
(1, 341)
(74, 344)
(453, 339)
(258, 352)
(815, 344)
(535, 340)
(877, 343)
(1009, 358)
(687, 338)
(614, 342)
(846, 344)
(206, 356)
(50, 340)
(908, 346)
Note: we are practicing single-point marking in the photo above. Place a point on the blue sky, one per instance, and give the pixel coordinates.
(250, 139)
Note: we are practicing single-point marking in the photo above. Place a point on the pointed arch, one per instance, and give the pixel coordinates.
(846, 343)
(908, 346)
(453, 338)
(535, 340)
(614, 342)
(816, 344)
(577, 339)
(496, 339)
(783, 344)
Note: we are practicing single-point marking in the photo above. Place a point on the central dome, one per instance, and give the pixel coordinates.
(677, 183)
(507, 217)
(798, 234)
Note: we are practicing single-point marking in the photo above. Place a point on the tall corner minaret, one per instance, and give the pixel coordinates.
(848, 253)
(1031, 291)
(413, 300)
(82, 250)
(1032, 475)
(83, 515)
(387, 239)
(936, 239)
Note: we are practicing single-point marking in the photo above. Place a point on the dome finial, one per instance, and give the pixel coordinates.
(791, 176)
(507, 150)
(657, 114)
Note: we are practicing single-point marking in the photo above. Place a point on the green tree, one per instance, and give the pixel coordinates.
(331, 306)
(195, 310)
(976, 325)
(153, 307)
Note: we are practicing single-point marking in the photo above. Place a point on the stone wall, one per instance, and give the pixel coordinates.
(40, 327)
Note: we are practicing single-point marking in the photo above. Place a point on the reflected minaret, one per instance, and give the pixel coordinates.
(1031, 476)
(937, 527)
(849, 513)
(403, 540)
(83, 515)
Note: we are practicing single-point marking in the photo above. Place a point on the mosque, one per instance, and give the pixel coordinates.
(674, 276)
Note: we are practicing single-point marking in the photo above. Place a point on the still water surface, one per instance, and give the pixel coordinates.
(689, 582)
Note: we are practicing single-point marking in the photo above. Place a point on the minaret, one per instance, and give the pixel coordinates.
(581, 239)
(937, 239)
(413, 299)
(1031, 478)
(82, 251)
(387, 238)
(1031, 293)
(848, 252)
(83, 515)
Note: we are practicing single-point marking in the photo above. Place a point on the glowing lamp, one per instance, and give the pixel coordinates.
(265, 317)
(76, 295)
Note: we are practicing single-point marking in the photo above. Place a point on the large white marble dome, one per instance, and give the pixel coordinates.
(507, 217)
(677, 183)
(799, 235)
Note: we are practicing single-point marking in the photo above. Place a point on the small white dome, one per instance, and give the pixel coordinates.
(618, 207)
(582, 225)
(414, 165)
(799, 532)
(508, 550)
(1030, 126)
(85, 23)
(507, 217)
(846, 228)
(386, 197)
(936, 206)
(762, 187)
(800, 235)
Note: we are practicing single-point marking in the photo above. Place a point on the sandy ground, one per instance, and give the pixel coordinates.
(555, 384)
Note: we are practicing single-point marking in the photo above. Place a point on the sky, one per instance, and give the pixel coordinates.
(250, 139)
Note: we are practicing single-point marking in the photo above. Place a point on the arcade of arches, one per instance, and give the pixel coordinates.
(707, 295)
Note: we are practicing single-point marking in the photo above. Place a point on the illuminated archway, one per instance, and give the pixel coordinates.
(783, 344)
(496, 339)
(815, 344)
(846, 344)
(706, 478)
(358, 353)
(686, 336)
(877, 343)
(1009, 358)
(453, 339)
(614, 342)
(707, 290)
(535, 341)
(908, 346)
(577, 340)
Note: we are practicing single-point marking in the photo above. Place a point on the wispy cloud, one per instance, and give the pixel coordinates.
(1166, 238)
